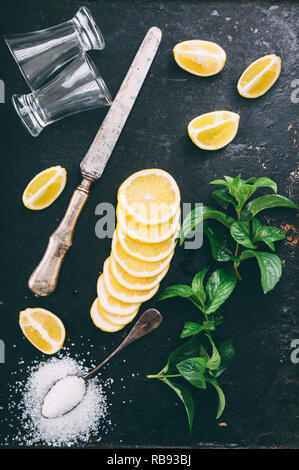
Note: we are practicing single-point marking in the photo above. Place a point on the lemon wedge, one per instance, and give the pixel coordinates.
(202, 58)
(43, 329)
(44, 188)
(150, 196)
(259, 76)
(212, 131)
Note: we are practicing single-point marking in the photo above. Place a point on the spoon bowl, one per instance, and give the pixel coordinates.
(68, 392)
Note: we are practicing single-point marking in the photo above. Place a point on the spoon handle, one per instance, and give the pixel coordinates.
(149, 320)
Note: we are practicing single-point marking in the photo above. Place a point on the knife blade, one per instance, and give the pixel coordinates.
(99, 153)
(44, 279)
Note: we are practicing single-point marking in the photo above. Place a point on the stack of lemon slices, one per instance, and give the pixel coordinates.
(148, 218)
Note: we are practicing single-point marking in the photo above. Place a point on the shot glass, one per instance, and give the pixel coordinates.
(79, 87)
(40, 53)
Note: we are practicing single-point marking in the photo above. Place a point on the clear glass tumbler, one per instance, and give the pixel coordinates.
(40, 53)
(77, 88)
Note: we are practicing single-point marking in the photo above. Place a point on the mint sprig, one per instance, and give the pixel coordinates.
(199, 362)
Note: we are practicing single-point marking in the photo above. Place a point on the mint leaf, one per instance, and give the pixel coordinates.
(227, 354)
(266, 234)
(193, 370)
(266, 202)
(221, 396)
(191, 328)
(239, 190)
(185, 396)
(223, 198)
(214, 361)
(270, 267)
(198, 215)
(240, 231)
(190, 348)
(197, 282)
(178, 290)
(266, 183)
(220, 240)
(198, 287)
(218, 288)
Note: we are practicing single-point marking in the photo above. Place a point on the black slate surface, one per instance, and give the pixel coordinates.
(262, 384)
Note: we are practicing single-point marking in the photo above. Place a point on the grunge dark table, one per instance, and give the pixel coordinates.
(262, 385)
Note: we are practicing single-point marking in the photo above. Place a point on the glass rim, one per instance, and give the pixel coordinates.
(95, 28)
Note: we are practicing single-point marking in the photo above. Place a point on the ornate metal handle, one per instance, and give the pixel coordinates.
(43, 280)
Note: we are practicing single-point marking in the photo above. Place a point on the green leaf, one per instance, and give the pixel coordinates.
(270, 267)
(223, 198)
(198, 287)
(185, 395)
(193, 370)
(219, 287)
(198, 215)
(227, 354)
(178, 290)
(214, 361)
(244, 193)
(239, 189)
(221, 396)
(191, 328)
(265, 182)
(240, 231)
(266, 233)
(266, 202)
(222, 182)
(197, 282)
(190, 348)
(220, 240)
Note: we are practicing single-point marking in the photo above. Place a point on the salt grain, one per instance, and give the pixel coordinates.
(78, 426)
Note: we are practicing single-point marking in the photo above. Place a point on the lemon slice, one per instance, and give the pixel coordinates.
(259, 76)
(44, 188)
(150, 196)
(202, 58)
(116, 319)
(99, 320)
(111, 304)
(137, 267)
(212, 131)
(145, 251)
(43, 329)
(123, 293)
(147, 233)
(133, 282)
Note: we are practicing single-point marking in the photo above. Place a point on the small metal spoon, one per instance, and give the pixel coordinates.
(149, 321)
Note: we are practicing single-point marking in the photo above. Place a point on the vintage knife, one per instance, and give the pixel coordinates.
(43, 280)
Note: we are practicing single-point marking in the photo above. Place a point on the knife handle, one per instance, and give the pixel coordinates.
(44, 279)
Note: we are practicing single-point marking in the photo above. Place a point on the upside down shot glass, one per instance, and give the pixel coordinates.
(40, 53)
(79, 87)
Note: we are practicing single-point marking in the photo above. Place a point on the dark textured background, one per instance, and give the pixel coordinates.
(262, 384)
